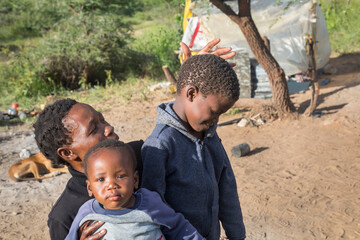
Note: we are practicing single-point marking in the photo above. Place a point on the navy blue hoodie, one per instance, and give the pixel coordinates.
(193, 177)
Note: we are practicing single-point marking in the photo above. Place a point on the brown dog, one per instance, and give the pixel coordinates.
(36, 167)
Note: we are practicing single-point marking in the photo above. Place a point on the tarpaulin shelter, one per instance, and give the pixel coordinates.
(286, 23)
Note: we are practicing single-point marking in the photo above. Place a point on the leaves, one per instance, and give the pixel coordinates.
(342, 20)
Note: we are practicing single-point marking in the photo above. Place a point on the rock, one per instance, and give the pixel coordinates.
(24, 153)
(243, 122)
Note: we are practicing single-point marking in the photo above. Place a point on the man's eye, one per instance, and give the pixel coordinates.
(93, 130)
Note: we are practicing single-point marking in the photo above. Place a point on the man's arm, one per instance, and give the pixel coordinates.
(221, 52)
(57, 230)
(86, 231)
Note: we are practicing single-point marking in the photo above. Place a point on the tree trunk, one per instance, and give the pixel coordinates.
(262, 54)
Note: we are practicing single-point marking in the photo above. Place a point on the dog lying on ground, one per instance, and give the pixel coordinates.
(36, 167)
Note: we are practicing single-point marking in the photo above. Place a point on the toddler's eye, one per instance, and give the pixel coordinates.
(121, 176)
(100, 179)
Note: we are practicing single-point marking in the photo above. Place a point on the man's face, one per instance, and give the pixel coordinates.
(87, 127)
(204, 111)
(112, 178)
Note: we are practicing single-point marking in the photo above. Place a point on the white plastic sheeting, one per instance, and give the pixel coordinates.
(285, 23)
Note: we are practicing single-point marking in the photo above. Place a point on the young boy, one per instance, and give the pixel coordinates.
(184, 160)
(110, 167)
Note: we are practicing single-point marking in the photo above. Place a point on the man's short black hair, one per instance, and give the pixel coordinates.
(211, 75)
(50, 133)
(110, 144)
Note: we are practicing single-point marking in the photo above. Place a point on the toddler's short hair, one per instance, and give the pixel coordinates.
(211, 75)
(110, 144)
(50, 132)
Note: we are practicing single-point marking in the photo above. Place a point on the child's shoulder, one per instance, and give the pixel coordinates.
(87, 207)
(147, 197)
(163, 133)
(146, 192)
(88, 203)
(150, 202)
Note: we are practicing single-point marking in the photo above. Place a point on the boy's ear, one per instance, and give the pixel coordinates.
(191, 92)
(88, 187)
(67, 154)
(136, 180)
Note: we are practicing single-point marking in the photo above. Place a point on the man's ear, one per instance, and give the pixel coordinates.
(136, 180)
(67, 154)
(88, 187)
(191, 92)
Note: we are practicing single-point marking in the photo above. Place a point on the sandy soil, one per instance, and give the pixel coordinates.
(300, 180)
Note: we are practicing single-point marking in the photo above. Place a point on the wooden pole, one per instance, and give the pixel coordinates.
(169, 76)
(315, 88)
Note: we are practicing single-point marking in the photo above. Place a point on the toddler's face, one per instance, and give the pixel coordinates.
(112, 178)
(204, 111)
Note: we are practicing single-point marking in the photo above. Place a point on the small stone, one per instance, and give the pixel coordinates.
(24, 153)
(259, 121)
(243, 122)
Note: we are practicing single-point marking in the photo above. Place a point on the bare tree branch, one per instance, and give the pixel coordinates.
(82, 21)
(224, 7)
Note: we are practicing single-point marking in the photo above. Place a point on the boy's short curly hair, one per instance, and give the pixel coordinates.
(50, 133)
(109, 144)
(211, 75)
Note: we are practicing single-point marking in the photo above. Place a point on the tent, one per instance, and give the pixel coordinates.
(286, 23)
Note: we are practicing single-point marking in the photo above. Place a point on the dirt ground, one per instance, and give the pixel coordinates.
(300, 180)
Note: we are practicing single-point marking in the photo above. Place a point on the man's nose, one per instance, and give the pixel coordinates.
(108, 130)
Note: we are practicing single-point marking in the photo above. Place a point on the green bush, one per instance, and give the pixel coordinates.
(28, 18)
(158, 42)
(342, 18)
(78, 52)
(21, 76)
(71, 58)
(76, 56)
(83, 43)
(157, 48)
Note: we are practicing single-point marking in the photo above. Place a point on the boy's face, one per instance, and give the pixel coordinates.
(87, 127)
(203, 111)
(112, 178)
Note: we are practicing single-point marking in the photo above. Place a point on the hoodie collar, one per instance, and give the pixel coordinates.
(167, 116)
